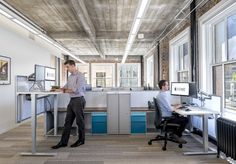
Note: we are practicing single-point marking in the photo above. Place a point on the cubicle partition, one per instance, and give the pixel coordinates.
(118, 106)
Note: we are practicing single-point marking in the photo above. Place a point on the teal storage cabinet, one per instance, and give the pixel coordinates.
(138, 122)
(99, 123)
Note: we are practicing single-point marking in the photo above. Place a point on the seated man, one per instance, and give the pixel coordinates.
(163, 99)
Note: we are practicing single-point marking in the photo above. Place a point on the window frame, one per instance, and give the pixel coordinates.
(175, 43)
(93, 66)
(207, 22)
(130, 64)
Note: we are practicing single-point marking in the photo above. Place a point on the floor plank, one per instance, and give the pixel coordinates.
(98, 149)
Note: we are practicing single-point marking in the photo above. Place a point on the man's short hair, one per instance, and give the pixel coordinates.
(162, 83)
(70, 62)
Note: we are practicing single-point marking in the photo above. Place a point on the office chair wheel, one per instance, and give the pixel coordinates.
(180, 145)
(149, 142)
(164, 148)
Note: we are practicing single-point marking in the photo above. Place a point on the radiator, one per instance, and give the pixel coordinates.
(226, 137)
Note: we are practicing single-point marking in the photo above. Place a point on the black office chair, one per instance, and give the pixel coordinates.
(162, 124)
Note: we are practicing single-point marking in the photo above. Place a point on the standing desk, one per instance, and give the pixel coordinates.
(34, 96)
(204, 113)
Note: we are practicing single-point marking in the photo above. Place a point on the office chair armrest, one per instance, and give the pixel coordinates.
(168, 118)
(173, 125)
(165, 123)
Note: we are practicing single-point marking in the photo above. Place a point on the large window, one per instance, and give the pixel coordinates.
(231, 36)
(180, 58)
(218, 53)
(103, 74)
(183, 62)
(150, 72)
(129, 75)
(230, 85)
(225, 36)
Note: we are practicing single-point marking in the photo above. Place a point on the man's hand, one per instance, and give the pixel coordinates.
(67, 90)
(176, 107)
(56, 90)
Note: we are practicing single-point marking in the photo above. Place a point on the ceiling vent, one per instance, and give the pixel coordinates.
(140, 36)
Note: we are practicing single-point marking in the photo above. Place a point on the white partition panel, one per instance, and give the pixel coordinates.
(112, 113)
(124, 113)
(93, 100)
(96, 99)
(141, 98)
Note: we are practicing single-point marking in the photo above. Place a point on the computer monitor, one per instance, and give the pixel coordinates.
(184, 89)
(39, 72)
(50, 74)
(180, 88)
(44, 73)
(193, 90)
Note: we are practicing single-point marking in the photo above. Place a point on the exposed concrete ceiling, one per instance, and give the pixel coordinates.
(99, 27)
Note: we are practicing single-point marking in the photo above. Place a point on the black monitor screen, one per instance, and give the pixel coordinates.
(193, 90)
(39, 72)
(180, 88)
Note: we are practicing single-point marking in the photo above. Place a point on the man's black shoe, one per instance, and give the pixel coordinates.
(77, 143)
(59, 145)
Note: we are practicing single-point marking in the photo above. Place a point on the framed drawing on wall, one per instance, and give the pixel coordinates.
(5, 70)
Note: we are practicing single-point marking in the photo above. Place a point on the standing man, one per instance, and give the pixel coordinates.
(75, 86)
(163, 99)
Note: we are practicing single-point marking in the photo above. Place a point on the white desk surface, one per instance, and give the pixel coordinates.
(196, 111)
(39, 93)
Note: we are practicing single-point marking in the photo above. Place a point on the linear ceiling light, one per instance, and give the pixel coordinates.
(131, 39)
(142, 8)
(35, 30)
(140, 12)
(76, 57)
(25, 26)
(136, 26)
(46, 39)
(5, 14)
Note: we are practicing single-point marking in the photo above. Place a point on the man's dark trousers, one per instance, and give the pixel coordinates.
(75, 109)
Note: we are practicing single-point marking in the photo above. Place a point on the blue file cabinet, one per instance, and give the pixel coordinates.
(138, 122)
(99, 123)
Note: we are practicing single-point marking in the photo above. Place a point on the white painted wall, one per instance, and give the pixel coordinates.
(24, 54)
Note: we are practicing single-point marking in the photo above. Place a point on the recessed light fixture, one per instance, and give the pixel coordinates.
(140, 36)
(140, 12)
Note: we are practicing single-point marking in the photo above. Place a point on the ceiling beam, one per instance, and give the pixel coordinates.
(64, 35)
(82, 15)
(100, 35)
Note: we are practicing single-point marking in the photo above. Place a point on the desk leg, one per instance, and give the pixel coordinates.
(205, 132)
(205, 139)
(55, 114)
(33, 127)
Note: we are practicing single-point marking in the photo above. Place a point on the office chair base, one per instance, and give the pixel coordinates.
(159, 138)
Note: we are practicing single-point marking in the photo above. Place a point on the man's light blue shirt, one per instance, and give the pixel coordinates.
(76, 82)
(163, 99)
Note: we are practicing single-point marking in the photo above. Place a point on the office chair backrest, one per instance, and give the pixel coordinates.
(158, 113)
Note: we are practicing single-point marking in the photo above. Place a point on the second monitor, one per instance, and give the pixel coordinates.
(184, 89)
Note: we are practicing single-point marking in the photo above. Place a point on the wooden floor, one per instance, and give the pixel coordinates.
(108, 149)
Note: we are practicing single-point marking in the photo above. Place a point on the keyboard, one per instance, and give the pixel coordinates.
(182, 107)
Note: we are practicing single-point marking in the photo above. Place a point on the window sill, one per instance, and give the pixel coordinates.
(229, 115)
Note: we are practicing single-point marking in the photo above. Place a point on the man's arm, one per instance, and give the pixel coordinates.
(79, 86)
